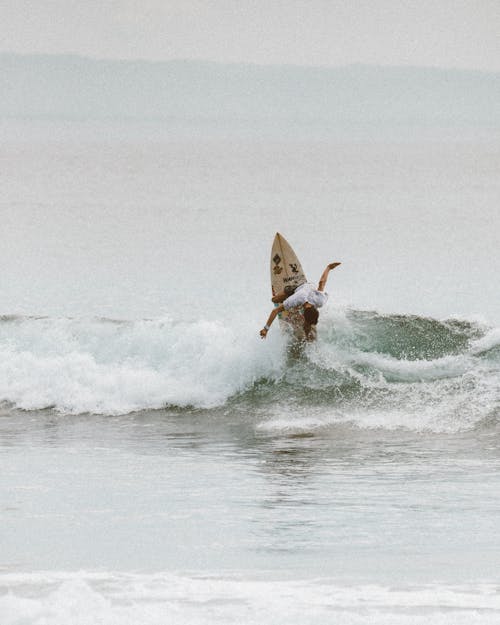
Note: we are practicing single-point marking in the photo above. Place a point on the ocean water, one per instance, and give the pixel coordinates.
(163, 464)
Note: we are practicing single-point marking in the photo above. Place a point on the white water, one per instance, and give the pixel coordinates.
(107, 367)
(82, 598)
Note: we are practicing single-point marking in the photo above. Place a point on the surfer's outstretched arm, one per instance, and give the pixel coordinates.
(324, 275)
(272, 317)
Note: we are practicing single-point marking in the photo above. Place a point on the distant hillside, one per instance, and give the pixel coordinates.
(71, 87)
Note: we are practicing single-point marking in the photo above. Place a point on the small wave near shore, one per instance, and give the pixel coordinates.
(57, 598)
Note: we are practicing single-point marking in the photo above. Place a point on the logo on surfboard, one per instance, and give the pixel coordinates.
(277, 269)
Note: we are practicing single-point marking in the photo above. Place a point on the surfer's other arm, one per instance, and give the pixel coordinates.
(324, 275)
(272, 317)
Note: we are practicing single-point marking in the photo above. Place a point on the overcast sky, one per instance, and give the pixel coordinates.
(444, 33)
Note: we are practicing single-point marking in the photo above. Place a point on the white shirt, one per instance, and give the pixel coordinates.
(306, 292)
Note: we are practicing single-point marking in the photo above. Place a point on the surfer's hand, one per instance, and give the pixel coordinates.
(263, 333)
(333, 265)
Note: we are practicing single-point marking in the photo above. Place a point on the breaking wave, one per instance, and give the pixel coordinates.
(206, 599)
(366, 368)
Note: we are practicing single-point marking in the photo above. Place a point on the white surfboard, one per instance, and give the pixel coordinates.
(286, 270)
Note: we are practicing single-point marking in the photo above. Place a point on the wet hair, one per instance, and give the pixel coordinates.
(311, 315)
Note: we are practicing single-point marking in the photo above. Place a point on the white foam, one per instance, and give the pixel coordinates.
(155, 599)
(298, 423)
(487, 342)
(103, 367)
(446, 394)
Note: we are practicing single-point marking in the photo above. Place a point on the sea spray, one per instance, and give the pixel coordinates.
(113, 367)
(366, 368)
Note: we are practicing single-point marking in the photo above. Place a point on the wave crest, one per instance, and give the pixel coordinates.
(376, 370)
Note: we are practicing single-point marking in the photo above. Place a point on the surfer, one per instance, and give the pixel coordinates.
(305, 296)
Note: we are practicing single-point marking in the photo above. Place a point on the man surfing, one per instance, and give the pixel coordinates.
(305, 296)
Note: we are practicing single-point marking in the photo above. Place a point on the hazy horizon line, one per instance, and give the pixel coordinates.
(98, 59)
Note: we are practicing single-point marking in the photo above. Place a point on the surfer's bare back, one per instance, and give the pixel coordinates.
(306, 297)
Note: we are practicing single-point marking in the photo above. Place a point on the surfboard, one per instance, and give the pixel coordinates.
(286, 270)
